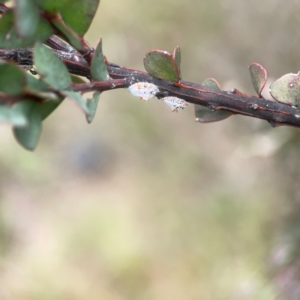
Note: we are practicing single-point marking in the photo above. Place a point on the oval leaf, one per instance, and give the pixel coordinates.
(161, 64)
(52, 6)
(204, 114)
(28, 136)
(12, 79)
(177, 57)
(51, 68)
(259, 77)
(286, 89)
(92, 105)
(68, 33)
(79, 15)
(212, 84)
(9, 37)
(98, 66)
(27, 17)
(47, 108)
(12, 116)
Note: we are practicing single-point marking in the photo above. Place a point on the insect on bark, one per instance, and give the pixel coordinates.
(143, 90)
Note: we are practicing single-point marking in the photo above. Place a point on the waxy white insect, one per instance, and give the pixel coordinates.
(143, 90)
(175, 103)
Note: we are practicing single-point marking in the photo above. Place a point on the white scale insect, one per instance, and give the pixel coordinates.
(146, 91)
(143, 90)
(175, 103)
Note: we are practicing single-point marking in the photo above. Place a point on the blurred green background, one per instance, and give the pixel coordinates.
(146, 204)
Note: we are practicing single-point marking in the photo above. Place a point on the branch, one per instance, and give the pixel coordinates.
(277, 114)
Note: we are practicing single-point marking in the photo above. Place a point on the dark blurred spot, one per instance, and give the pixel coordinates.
(91, 157)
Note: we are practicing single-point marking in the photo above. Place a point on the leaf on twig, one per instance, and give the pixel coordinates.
(204, 114)
(51, 69)
(161, 64)
(52, 6)
(9, 38)
(259, 77)
(12, 115)
(27, 17)
(80, 14)
(92, 105)
(98, 66)
(29, 134)
(286, 89)
(177, 57)
(12, 79)
(68, 33)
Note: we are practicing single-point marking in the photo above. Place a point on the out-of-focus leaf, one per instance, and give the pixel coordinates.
(28, 135)
(47, 108)
(177, 57)
(286, 89)
(12, 79)
(161, 64)
(51, 68)
(9, 37)
(204, 114)
(98, 65)
(27, 17)
(259, 77)
(69, 33)
(39, 88)
(52, 6)
(76, 79)
(13, 116)
(79, 14)
(77, 98)
(92, 105)
(36, 84)
(212, 84)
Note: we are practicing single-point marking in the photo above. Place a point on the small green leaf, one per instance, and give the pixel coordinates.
(12, 116)
(47, 108)
(79, 15)
(212, 84)
(77, 98)
(36, 84)
(204, 114)
(68, 33)
(28, 136)
(259, 77)
(9, 37)
(38, 88)
(92, 106)
(27, 17)
(76, 79)
(53, 6)
(51, 69)
(161, 64)
(98, 66)
(12, 79)
(177, 57)
(286, 89)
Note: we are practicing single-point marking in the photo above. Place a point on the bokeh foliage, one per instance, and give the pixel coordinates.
(145, 204)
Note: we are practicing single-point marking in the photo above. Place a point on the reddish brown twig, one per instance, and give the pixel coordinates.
(275, 113)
